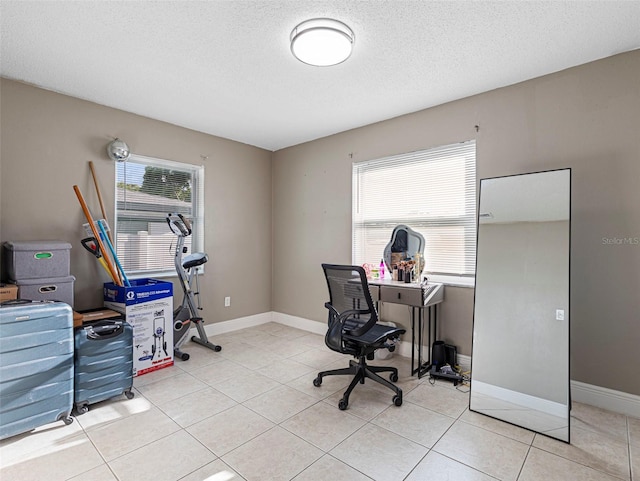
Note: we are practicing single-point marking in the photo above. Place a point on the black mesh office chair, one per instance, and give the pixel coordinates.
(353, 329)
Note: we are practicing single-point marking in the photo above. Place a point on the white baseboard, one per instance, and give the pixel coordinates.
(235, 324)
(609, 399)
(300, 323)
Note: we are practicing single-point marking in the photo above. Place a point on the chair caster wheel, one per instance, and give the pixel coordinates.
(393, 377)
(129, 394)
(342, 404)
(317, 382)
(397, 400)
(217, 348)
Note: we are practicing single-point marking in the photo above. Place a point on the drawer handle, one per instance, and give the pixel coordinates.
(45, 289)
(398, 295)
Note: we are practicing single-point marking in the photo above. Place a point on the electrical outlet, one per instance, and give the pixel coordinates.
(227, 301)
(560, 314)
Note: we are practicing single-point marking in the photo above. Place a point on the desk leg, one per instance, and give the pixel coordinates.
(413, 342)
(426, 365)
(418, 366)
(416, 369)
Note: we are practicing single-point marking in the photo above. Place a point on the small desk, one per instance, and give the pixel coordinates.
(419, 297)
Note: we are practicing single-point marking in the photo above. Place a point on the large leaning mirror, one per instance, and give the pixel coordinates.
(520, 357)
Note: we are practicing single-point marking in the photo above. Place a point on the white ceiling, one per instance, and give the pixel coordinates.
(225, 68)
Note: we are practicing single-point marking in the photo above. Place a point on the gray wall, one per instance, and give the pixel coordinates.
(47, 141)
(586, 118)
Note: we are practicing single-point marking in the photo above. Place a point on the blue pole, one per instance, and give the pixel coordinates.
(105, 238)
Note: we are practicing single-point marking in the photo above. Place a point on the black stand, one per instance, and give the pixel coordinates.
(456, 378)
(422, 367)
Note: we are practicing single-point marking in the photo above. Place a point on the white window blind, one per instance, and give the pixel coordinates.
(147, 189)
(433, 192)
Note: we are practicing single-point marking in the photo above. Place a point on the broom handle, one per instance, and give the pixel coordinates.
(114, 256)
(96, 234)
(104, 214)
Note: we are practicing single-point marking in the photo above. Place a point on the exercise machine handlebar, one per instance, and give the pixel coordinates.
(179, 225)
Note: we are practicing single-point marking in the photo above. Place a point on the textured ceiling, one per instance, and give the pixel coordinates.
(225, 68)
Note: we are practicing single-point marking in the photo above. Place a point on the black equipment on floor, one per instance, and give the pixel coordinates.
(443, 362)
(187, 269)
(103, 362)
(36, 374)
(353, 330)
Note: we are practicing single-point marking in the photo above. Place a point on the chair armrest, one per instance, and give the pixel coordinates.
(332, 310)
(345, 316)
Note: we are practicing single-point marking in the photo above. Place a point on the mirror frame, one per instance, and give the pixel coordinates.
(386, 253)
(568, 319)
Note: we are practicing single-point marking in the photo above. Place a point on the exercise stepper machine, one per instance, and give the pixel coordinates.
(187, 269)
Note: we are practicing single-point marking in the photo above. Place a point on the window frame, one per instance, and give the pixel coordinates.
(421, 224)
(196, 217)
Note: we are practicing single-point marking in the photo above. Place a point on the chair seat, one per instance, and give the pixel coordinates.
(194, 260)
(376, 335)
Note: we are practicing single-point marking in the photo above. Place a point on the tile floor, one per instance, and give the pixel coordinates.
(251, 413)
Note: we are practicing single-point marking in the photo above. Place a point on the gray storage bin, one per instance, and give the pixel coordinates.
(50, 289)
(36, 259)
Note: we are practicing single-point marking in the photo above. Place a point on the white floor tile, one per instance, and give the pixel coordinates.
(228, 430)
(166, 459)
(60, 460)
(328, 468)
(323, 425)
(379, 454)
(280, 403)
(276, 455)
(438, 467)
(541, 465)
(125, 435)
(260, 418)
(483, 450)
(192, 408)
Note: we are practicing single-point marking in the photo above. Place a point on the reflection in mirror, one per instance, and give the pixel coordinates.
(520, 370)
(405, 243)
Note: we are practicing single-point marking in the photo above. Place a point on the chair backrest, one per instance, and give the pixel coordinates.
(351, 301)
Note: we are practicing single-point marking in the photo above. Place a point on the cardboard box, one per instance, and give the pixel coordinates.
(93, 315)
(148, 306)
(8, 292)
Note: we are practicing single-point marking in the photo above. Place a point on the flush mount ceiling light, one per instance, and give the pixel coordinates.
(322, 42)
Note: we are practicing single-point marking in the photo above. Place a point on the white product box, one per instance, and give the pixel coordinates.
(148, 307)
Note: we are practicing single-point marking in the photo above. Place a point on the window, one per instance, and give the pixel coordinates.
(147, 189)
(433, 192)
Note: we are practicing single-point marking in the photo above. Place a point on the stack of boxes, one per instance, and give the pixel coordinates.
(8, 292)
(148, 306)
(40, 269)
